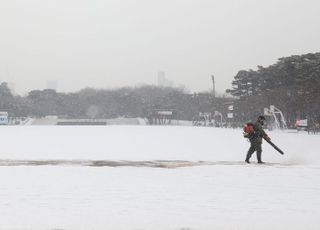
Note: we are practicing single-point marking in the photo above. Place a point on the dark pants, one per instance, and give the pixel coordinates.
(255, 146)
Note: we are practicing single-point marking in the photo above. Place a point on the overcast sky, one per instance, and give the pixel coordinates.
(113, 43)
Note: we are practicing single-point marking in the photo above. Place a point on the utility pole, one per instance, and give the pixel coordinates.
(214, 87)
(214, 108)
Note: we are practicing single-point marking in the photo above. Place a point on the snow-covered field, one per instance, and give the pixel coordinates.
(140, 177)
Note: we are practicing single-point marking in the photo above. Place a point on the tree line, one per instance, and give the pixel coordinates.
(103, 103)
(291, 84)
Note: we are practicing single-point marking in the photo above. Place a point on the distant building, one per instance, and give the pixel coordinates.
(163, 81)
(12, 87)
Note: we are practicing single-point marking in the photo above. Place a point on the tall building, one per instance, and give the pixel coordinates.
(12, 87)
(163, 81)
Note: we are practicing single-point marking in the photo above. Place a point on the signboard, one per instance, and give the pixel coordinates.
(167, 113)
(230, 107)
(266, 112)
(302, 123)
(230, 115)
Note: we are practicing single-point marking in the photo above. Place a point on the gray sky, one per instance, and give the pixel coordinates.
(112, 43)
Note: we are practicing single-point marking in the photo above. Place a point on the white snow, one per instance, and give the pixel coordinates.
(222, 194)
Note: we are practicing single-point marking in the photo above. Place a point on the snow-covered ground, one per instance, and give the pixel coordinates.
(155, 178)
